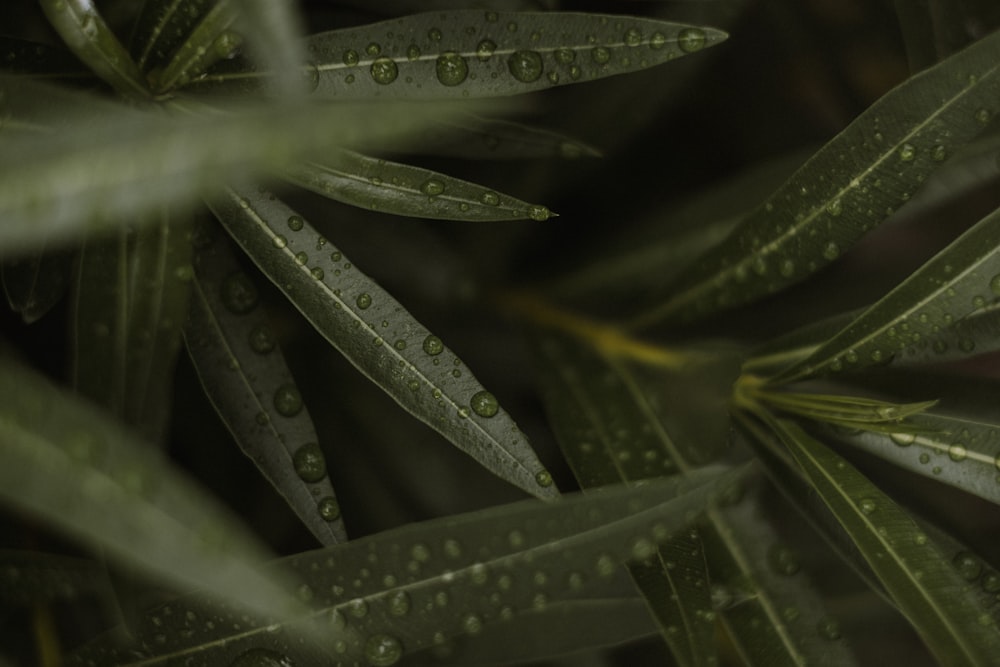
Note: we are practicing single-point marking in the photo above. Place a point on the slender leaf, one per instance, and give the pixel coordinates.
(473, 53)
(243, 372)
(958, 281)
(72, 467)
(408, 589)
(403, 189)
(89, 37)
(927, 589)
(847, 188)
(475, 137)
(375, 333)
(210, 41)
(111, 163)
(161, 27)
(35, 282)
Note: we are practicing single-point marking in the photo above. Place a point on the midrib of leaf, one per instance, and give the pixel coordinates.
(167, 13)
(804, 450)
(524, 478)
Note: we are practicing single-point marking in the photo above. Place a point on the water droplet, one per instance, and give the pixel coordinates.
(828, 628)
(301, 258)
(643, 549)
(907, 153)
(317, 273)
(357, 608)
(939, 153)
(967, 345)
(363, 301)
(600, 55)
(383, 650)
(867, 505)
(351, 57)
(490, 198)
(295, 223)
(539, 213)
(831, 251)
(606, 565)
(451, 68)
(995, 285)
(983, 116)
(783, 560)
(287, 400)
(515, 539)
(434, 35)
(691, 40)
(564, 56)
(991, 582)
(451, 549)
(479, 573)
(432, 187)
(969, 567)
(238, 293)
(632, 37)
(399, 603)
(420, 552)
(373, 49)
(484, 404)
(329, 508)
(903, 439)
(433, 345)
(261, 340)
(384, 70)
(957, 453)
(310, 465)
(260, 657)
(525, 66)
(787, 268)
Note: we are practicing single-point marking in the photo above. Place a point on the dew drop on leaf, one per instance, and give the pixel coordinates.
(358, 608)
(957, 453)
(543, 478)
(451, 69)
(903, 439)
(564, 56)
(399, 603)
(472, 624)
(295, 223)
(433, 345)
(329, 508)
(432, 187)
(867, 505)
(907, 153)
(279, 242)
(287, 400)
(600, 54)
(643, 549)
(373, 49)
(261, 340)
(484, 404)
(485, 49)
(310, 465)
(983, 116)
(363, 301)
(657, 41)
(632, 37)
(539, 213)
(238, 293)
(968, 566)
(384, 70)
(525, 66)
(383, 650)
(783, 560)
(828, 628)
(490, 198)
(691, 40)
(351, 57)
(831, 251)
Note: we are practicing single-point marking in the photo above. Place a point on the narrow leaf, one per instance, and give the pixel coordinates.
(847, 188)
(161, 27)
(478, 138)
(473, 53)
(381, 597)
(375, 333)
(89, 37)
(403, 189)
(36, 282)
(110, 162)
(958, 281)
(211, 40)
(243, 372)
(69, 465)
(924, 585)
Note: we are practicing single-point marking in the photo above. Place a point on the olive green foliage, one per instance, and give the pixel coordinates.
(315, 355)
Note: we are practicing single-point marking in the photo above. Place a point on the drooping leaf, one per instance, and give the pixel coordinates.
(376, 334)
(402, 189)
(960, 280)
(67, 464)
(83, 29)
(926, 588)
(405, 590)
(847, 188)
(243, 372)
(109, 162)
(35, 282)
(474, 53)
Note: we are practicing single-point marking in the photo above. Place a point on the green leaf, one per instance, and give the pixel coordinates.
(274, 34)
(109, 162)
(784, 351)
(477, 138)
(958, 281)
(924, 585)
(244, 375)
(67, 464)
(35, 282)
(459, 54)
(376, 334)
(161, 27)
(847, 188)
(408, 589)
(30, 577)
(210, 41)
(401, 189)
(89, 37)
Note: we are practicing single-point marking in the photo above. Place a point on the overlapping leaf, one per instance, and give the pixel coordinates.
(960, 280)
(244, 375)
(926, 588)
(73, 468)
(402, 189)
(374, 332)
(409, 589)
(161, 27)
(480, 53)
(851, 185)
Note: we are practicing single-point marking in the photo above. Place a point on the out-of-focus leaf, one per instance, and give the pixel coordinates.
(80, 25)
(478, 138)
(402, 189)
(210, 40)
(459, 54)
(444, 578)
(243, 372)
(928, 591)
(35, 282)
(846, 189)
(70, 466)
(376, 334)
(960, 280)
(39, 61)
(28, 577)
